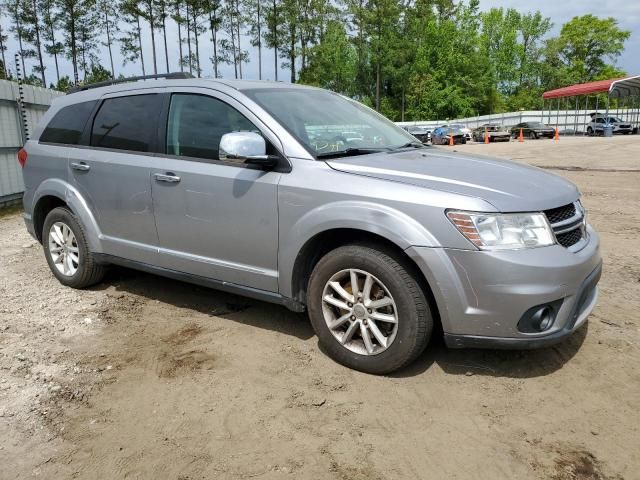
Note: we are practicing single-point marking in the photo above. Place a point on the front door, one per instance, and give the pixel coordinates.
(214, 219)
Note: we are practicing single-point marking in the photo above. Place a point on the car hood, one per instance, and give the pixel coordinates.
(508, 186)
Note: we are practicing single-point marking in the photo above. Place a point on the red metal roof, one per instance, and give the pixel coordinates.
(598, 86)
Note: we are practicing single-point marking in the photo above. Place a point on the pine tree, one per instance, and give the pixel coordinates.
(177, 17)
(147, 12)
(272, 35)
(254, 10)
(52, 46)
(213, 7)
(32, 34)
(161, 7)
(15, 8)
(3, 47)
(110, 27)
(131, 41)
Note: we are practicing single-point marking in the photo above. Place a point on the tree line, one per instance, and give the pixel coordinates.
(410, 59)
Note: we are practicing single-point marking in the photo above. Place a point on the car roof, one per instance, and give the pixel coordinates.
(96, 93)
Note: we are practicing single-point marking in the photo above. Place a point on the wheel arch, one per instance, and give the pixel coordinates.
(55, 193)
(323, 242)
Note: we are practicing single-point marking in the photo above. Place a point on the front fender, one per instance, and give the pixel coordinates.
(71, 196)
(394, 225)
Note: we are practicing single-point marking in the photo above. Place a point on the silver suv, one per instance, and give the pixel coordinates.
(299, 196)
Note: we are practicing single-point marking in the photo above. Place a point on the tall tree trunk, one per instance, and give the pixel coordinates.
(214, 38)
(152, 26)
(378, 86)
(52, 32)
(164, 35)
(275, 38)
(292, 51)
(189, 41)
(233, 48)
(179, 34)
(19, 33)
(74, 46)
(238, 21)
(259, 29)
(195, 34)
(36, 25)
(106, 23)
(140, 45)
(4, 61)
(83, 32)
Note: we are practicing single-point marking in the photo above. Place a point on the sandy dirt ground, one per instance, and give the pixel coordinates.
(147, 378)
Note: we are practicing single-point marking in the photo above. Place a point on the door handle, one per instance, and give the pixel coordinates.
(81, 167)
(166, 177)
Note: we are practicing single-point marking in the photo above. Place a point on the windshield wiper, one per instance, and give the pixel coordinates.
(410, 144)
(350, 152)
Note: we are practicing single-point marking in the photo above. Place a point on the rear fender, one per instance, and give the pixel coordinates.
(59, 188)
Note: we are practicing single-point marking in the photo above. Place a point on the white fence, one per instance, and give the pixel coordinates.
(36, 103)
(568, 121)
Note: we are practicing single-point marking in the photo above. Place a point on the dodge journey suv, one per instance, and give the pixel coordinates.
(302, 197)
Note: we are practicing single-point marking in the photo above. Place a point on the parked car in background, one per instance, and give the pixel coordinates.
(533, 130)
(464, 129)
(421, 133)
(599, 121)
(494, 132)
(379, 238)
(442, 136)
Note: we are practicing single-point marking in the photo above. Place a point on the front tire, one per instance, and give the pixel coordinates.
(67, 252)
(368, 309)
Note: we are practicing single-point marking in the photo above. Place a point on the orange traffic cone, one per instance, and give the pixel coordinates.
(557, 136)
(451, 140)
(520, 137)
(486, 136)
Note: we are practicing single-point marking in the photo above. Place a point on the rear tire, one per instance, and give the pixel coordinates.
(67, 252)
(533, 136)
(394, 284)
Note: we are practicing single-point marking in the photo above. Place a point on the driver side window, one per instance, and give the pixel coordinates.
(196, 124)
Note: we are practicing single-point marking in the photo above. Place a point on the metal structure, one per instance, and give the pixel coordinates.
(625, 92)
(21, 107)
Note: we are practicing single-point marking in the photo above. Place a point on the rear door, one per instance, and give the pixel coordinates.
(113, 173)
(215, 219)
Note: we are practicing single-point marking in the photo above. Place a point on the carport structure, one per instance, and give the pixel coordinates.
(626, 91)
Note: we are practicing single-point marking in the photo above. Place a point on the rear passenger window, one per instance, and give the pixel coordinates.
(127, 123)
(197, 123)
(66, 126)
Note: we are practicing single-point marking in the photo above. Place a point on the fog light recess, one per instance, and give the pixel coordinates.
(539, 318)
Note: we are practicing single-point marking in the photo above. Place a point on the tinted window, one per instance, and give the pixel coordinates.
(197, 123)
(66, 126)
(127, 123)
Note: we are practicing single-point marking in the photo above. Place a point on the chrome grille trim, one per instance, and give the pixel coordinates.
(562, 229)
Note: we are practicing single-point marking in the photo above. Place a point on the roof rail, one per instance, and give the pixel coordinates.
(168, 76)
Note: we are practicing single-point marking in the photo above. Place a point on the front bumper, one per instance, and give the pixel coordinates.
(482, 295)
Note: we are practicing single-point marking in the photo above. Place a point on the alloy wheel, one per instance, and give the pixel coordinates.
(360, 312)
(63, 249)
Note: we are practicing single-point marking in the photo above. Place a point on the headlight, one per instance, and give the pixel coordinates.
(500, 231)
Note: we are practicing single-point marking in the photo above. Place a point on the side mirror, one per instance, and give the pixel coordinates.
(248, 147)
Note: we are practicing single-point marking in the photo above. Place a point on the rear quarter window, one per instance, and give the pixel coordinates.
(67, 125)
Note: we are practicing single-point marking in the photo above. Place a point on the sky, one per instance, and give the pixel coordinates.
(626, 12)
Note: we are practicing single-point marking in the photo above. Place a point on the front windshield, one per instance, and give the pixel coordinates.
(325, 122)
(536, 125)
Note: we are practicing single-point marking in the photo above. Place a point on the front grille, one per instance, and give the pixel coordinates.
(560, 214)
(570, 238)
(567, 223)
